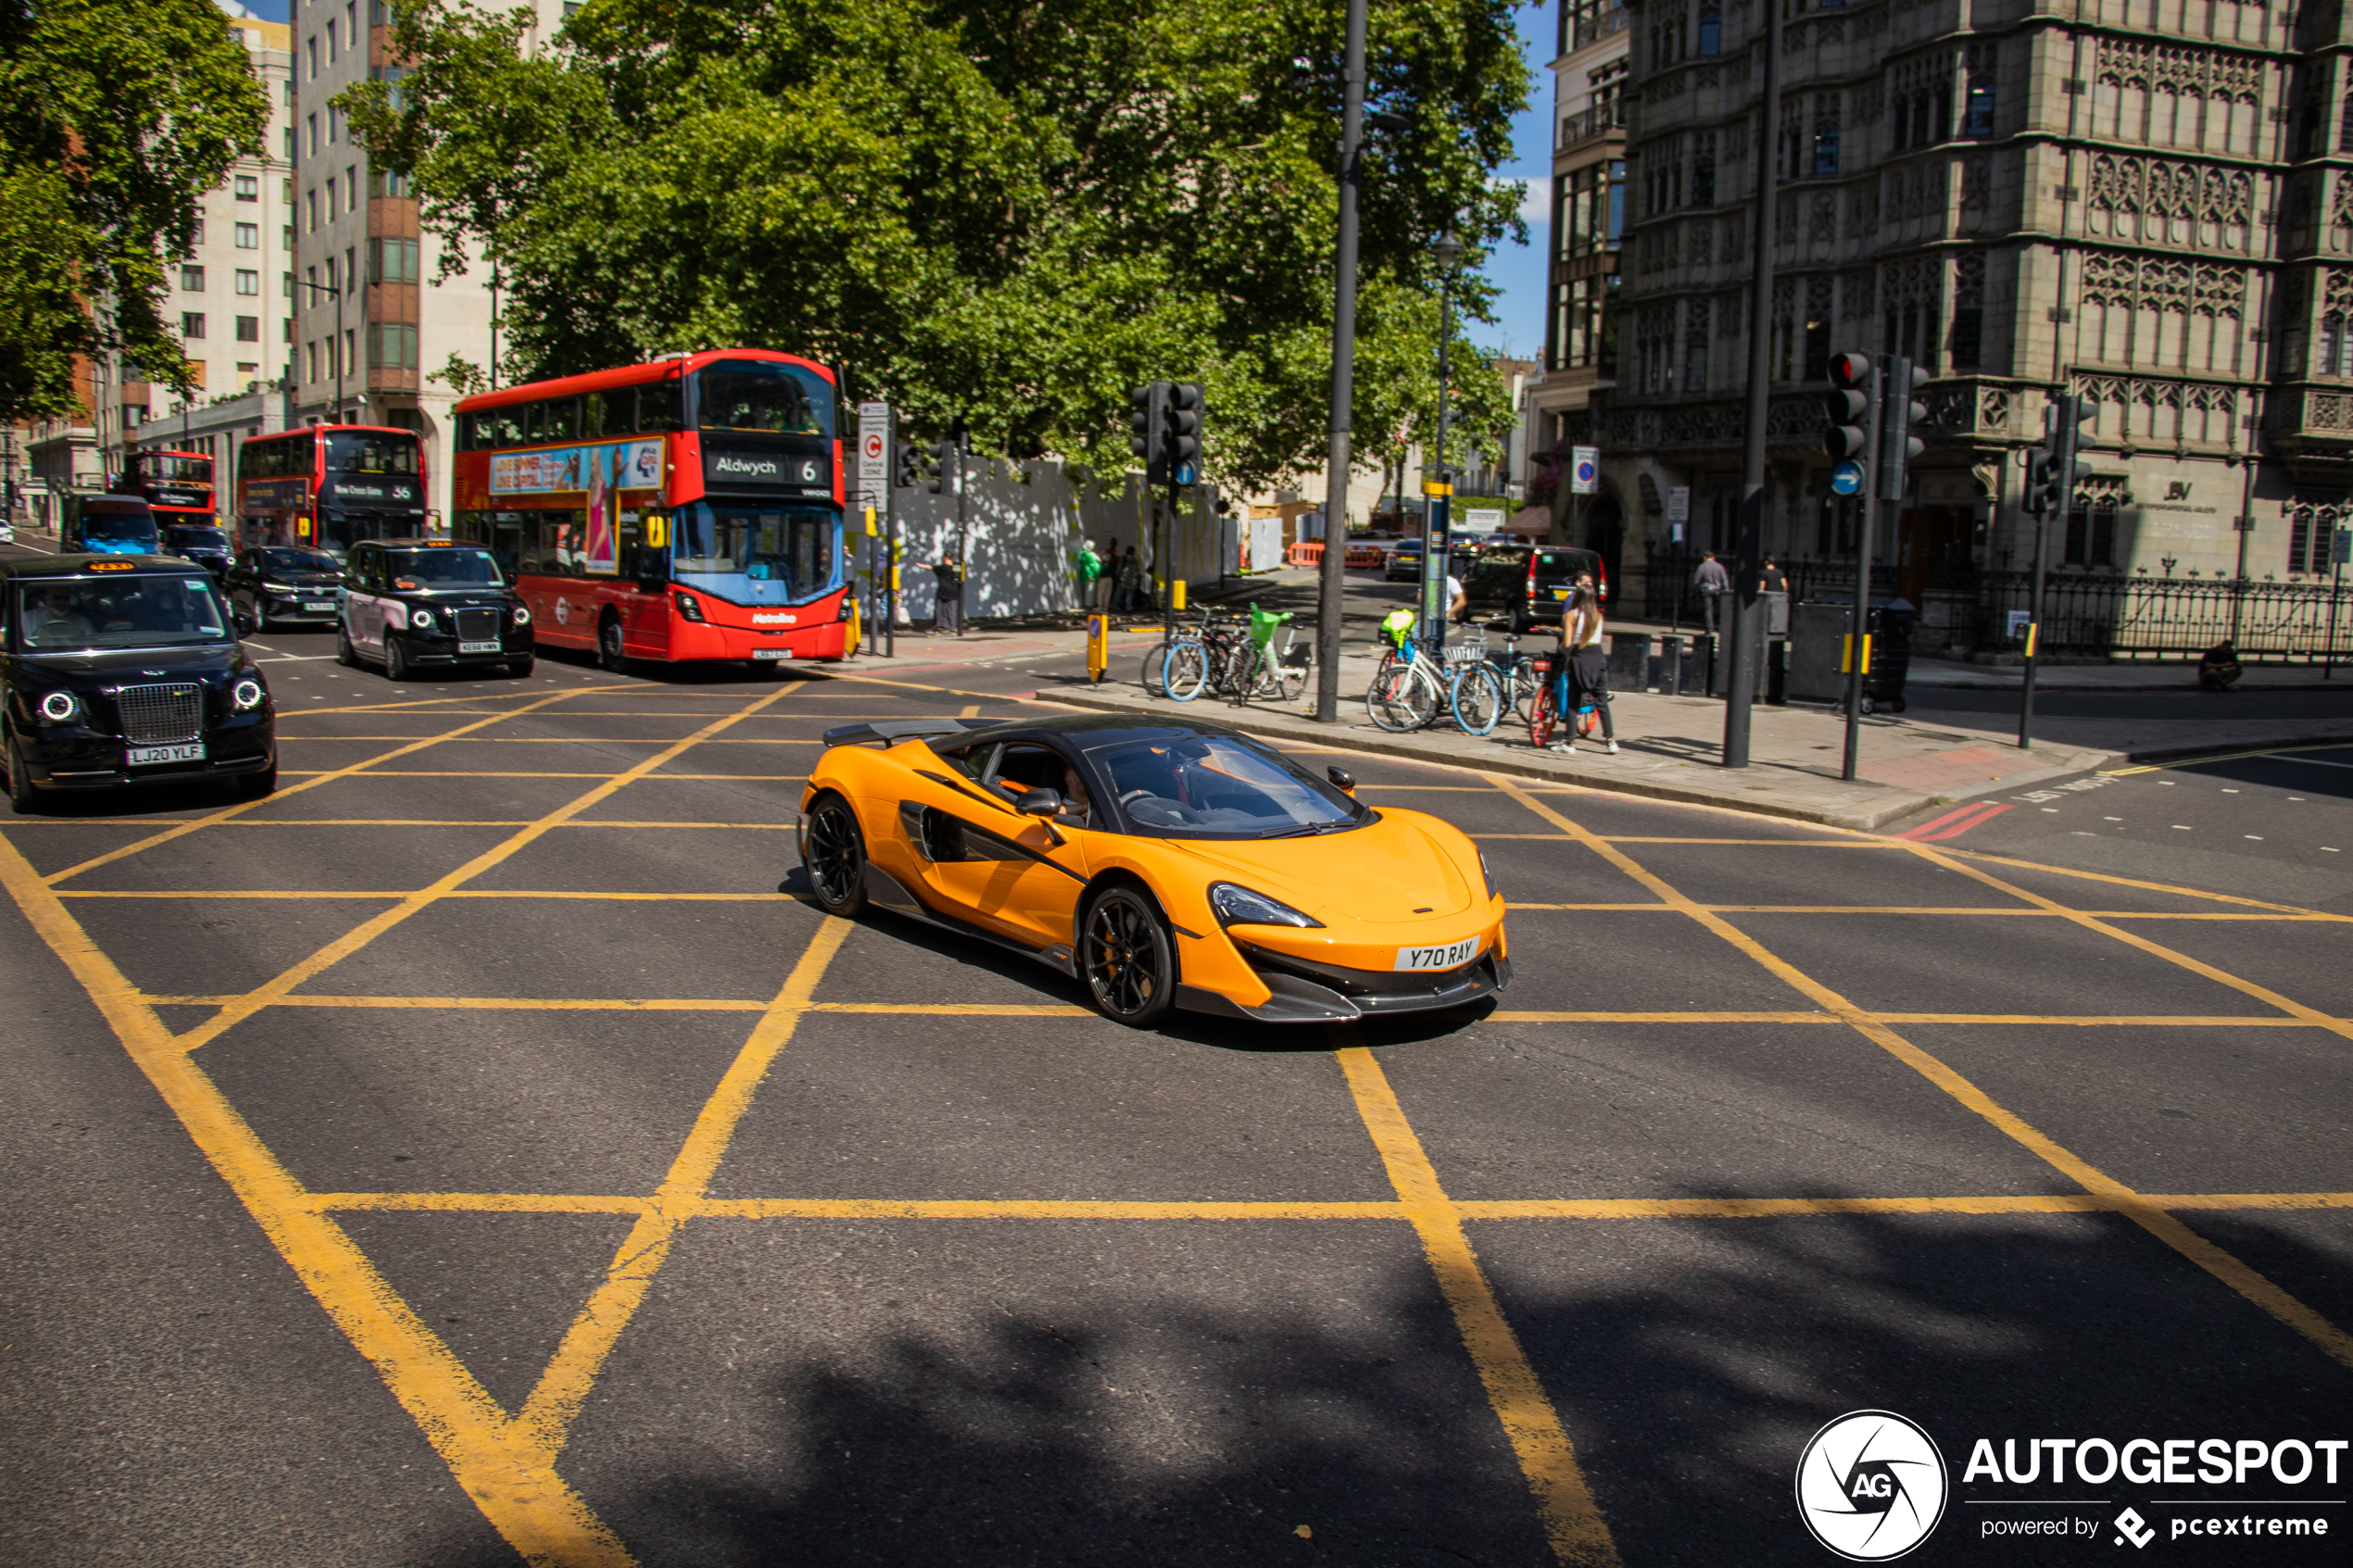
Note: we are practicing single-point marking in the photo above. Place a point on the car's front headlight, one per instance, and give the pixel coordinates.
(1239, 906)
(420, 621)
(59, 708)
(246, 694)
(522, 616)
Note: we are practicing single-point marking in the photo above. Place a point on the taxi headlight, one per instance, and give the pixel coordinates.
(246, 694)
(522, 616)
(1239, 906)
(59, 708)
(420, 621)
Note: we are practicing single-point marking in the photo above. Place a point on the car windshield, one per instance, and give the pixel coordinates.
(118, 523)
(761, 395)
(372, 451)
(1218, 787)
(747, 552)
(286, 562)
(199, 539)
(61, 614)
(1561, 565)
(461, 567)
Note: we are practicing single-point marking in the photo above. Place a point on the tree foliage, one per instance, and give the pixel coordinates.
(116, 116)
(1002, 213)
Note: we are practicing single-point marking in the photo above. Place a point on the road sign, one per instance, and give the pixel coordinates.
(1584, 471)
(1482, 519)
(874, 455)
(1848, 478)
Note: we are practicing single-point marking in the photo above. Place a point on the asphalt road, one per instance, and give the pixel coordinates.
(479, 1149)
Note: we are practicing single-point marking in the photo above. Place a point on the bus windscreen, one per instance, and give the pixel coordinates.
(765, 397)
(753, 554)
(369, 451)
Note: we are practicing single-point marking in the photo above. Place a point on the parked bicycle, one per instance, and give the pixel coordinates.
(1199, 655)
(1409, 686)
(1543, 715)
(1514, 668)
(1262, 669)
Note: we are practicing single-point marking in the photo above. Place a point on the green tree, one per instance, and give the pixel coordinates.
(116, 116)
(1397, 387)
(1000, 214)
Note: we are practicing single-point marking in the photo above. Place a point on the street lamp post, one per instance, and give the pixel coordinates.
(339, 355)
(1333, 581)
(1438, 492)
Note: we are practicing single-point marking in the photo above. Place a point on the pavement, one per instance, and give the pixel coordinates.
(479, 1152)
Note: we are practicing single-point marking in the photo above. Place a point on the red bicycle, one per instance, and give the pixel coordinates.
(1543, 716)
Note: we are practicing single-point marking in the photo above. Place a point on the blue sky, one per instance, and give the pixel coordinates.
(1517, 271)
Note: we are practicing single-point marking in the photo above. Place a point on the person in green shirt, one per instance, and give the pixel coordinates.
(1088, 567)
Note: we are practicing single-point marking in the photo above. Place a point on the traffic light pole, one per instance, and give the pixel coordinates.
(1740, 677)
(1333, 581)
(1858, 634)
(2033, 634)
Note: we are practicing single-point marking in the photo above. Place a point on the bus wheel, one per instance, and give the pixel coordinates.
(609, 653)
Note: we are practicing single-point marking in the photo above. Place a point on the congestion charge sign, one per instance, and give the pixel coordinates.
(870, 447)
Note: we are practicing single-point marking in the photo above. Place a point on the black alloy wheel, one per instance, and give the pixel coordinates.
(833, 853)
(609, 652)
(1127, 959)
(345, 653)
(397, 665)
(23, 798)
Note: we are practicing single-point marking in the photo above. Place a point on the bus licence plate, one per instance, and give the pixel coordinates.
(1449, 957)
(140, 755)
(310, 608)
(478, 647)
(771, 653)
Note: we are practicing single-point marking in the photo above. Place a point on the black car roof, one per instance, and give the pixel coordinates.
(79, 566)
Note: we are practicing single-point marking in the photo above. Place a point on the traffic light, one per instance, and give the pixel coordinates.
(1900, 409)
(943, 453)
(1181, 448)
(2041, 495)
(1145, 406)
(1856, 379)
(911, 467)
(2050, 471)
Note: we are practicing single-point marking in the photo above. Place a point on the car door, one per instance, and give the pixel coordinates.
(982, 861)
(362, 604)
(239, 581)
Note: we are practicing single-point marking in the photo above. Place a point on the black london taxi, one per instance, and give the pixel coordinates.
(126, 670)
(413, 605)
(203, 544)
(287, 585)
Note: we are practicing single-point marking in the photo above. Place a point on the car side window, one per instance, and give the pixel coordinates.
(971, 760)
(1023, 768)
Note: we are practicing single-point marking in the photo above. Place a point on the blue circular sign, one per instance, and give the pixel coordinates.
(1848, 478)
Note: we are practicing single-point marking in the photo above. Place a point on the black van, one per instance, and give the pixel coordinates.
(1530, 582)
(126, 670)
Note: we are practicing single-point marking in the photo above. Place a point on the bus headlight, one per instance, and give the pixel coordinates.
(59, 708)
(690, 607)
(246, 694)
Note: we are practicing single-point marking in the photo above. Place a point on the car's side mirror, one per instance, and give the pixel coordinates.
(246, 622)
(1038, 802)
(1343, 778)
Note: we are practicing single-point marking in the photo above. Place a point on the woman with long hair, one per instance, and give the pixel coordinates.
(1583, 669)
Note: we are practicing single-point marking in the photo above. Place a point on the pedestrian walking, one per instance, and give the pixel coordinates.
(1772, 579)
(1581, 672)
(1088, 570)
(1106, 575)
(950, 614)
(1131, 579)
(1710, 580)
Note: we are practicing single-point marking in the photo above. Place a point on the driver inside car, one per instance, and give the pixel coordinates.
(57, 608)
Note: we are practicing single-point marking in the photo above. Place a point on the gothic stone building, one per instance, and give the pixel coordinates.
(2148, 203)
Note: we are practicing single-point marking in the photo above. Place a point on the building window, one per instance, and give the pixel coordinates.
(313, 347)
(391, 261)
(248, 188)
(249, 329)
(289, 94)
(192, 279)
(248, 236)
(2336, 347)
(285, 334)
(248, 281)
(285, 191)
(1711, 30)
(2311, 533)
(310, 53)
(393, 345)
(1704, 170)
(289, 135)
(351, 187)
(196, 235)
(312, 121)
(1977, 102)
(2091, 531)
(334, 125)
(248, 368)
(1826, 133)
(285, 235)
(331, 40)
(192, 324)
(382, 184)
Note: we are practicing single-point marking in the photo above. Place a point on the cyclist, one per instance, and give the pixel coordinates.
(1581, 673)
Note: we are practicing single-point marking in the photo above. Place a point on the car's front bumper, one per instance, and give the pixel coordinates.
(96, 761)
(441, 653)
(1309, 993)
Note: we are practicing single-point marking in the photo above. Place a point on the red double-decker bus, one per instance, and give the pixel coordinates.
(688, 509)
(177, 487)
(326, 487)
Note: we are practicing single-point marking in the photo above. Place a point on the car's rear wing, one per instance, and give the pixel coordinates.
(890, 732)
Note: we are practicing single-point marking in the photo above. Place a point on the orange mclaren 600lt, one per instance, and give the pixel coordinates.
(1166, 863)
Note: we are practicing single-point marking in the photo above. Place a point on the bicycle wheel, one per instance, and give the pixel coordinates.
(1589, 718)
(1524, 684)
(1542, 716)
(1183, 669)
(1477, 699)
(1250, 674)
(1401, 696)
(1290, 680)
